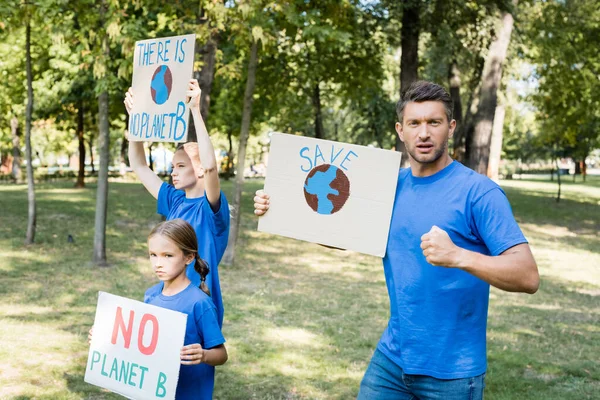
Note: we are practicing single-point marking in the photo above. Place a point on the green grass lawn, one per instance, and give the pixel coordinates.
(301, 321)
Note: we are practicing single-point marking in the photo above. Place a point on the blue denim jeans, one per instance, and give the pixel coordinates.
(384, 380)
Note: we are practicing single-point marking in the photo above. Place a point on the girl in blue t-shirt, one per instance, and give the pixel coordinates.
(172, 245)
(195, 195)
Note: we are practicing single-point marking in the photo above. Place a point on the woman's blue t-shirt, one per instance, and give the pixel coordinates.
(438, 316)
(212, 231)
(195, 381)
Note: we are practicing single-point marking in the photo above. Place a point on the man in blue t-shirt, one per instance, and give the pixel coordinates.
(195, 195)
(452, 235)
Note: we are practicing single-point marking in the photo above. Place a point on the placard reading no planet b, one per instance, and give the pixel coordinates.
(135, 349)
(162, 69)
(331, 193)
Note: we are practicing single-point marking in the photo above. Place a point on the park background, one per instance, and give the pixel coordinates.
(301, 321)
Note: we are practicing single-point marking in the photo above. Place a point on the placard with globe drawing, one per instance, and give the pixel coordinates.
(331, 193)
(162, 69)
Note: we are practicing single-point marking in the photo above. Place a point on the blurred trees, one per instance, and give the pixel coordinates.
(564, 39)
(329, 69)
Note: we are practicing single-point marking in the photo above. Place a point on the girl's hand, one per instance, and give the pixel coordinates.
(192, 354)
(129, 100)
(90, 333)
(193, 94)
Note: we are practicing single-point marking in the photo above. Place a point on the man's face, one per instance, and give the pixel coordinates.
(184, 175)
(425, 130)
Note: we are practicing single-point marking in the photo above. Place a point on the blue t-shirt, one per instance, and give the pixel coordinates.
(212, 231)
(195, 381)
(438, 316)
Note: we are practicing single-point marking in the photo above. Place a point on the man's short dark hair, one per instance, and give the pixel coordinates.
(421, 91)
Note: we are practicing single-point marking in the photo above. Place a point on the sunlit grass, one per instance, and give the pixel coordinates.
(301, 321)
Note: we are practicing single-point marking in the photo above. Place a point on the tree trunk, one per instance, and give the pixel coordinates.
(496, 143)
(577, 169)
(479, 149)
(150, 159)
(81, 174)
(557, 171)
(229, 256)
(454, 79)
(124, 159)
(207, 72)
(558, 178)
(229, 166)
(319, 131)
(32, 210)
(103, 150)
(409, 61)
(16, 150)
(91, 148)
(464, 132)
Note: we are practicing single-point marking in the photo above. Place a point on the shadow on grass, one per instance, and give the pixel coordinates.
(580, 219)
(301, 321)
(543, 346)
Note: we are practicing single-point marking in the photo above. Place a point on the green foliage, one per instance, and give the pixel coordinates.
(347, 49)
(565, 37)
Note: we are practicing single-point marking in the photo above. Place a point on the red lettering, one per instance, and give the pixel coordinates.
(149, 349)
(119, 323)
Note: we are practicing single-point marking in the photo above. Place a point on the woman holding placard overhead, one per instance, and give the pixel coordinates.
(195, 195)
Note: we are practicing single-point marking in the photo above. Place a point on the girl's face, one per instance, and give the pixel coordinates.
(184, 175)
(167, 259)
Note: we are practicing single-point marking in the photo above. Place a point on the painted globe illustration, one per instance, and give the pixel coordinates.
(161, 84)
(326, 189)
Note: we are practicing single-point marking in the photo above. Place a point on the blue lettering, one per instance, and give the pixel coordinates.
(140, 53)
(347, 158)
(171, 116)
(162, 126)
(167, 50)
(124, 373)
(160, 385)
(150, 52)
(144, 369)
(318, 154)
(182, 57)
(178, 120)
(114, 368)
(156, 127)
(94, 359)
(336, 156)
(306, 158)
(133, 121)
(159, 52)
(132, 374)
(145, 120)
(102, 369)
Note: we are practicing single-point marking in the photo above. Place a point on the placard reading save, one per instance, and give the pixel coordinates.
(135, 349)
(162, 69)
(331, 193)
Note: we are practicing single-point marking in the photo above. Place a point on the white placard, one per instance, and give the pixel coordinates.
(331, 193)
(135, 349)
(162, 69)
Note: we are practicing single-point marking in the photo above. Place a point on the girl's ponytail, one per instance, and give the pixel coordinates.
(202, 268)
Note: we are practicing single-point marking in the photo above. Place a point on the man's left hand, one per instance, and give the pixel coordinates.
(439, 250)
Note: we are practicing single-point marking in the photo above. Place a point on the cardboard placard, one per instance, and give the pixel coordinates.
(162, 69)
(135, 349)
(331, 193)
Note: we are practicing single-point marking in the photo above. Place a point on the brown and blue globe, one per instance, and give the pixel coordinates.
(161, 84)
(326, 189)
